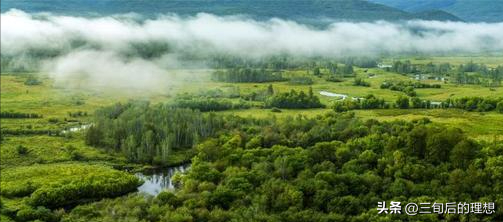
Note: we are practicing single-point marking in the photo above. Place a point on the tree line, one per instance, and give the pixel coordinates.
(407, 87)
(478, 104)
(294, 100)
(236, 75)
(368, 102)
(210, 104)
(19, 115)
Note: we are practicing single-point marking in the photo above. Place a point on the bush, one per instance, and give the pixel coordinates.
(334, 78)
(167, 198)
(294, 100)
(369, 102)
(22, 150)
(5, 115)
(53, 120)
(499, 107)
(32, 80)
(479, 104)
(301, 81)
(76, 156)
(360, 82)
(38, 213)
(402, 102)
(407, 87)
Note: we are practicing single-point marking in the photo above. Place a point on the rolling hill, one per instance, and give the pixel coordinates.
(308, 11)
(468, 10)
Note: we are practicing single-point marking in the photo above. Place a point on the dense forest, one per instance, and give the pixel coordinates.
(333, 167)
(148, 134)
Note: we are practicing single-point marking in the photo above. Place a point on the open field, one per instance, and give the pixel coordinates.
(54, 102)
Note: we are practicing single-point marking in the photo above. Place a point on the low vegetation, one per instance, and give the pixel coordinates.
(52, 186)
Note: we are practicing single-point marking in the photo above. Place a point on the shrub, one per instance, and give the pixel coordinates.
(334, 78)
(301, 81)
(402, 102)
(53, 120)
(32, 80)
(369, 102)
(499, 107)
(5, 115)
(294, 100)
(360, 82)
(22, 150)
(38, 213)
(167, 198)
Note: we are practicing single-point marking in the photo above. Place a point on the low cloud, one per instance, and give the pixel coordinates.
(105, 69)
(105, 48)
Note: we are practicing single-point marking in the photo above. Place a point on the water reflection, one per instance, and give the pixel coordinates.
(159, 180)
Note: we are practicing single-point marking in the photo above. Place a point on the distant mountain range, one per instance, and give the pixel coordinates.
(468, 10)
(308, 11)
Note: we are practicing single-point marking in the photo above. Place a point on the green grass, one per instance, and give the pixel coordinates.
(48, 149)
(481, 126)
(22, 181)
(50, 183)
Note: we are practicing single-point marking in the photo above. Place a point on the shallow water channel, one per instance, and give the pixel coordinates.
(331, 94)
(159, 179)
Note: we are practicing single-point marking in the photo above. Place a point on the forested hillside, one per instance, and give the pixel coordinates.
(307, 11)
(468, 10)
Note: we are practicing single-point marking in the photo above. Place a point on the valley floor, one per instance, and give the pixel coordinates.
(44, 153)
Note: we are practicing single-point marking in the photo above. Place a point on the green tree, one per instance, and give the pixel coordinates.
(317, 71)
(499, 107)
(270, 90)
(463, 153)
(402, 102)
